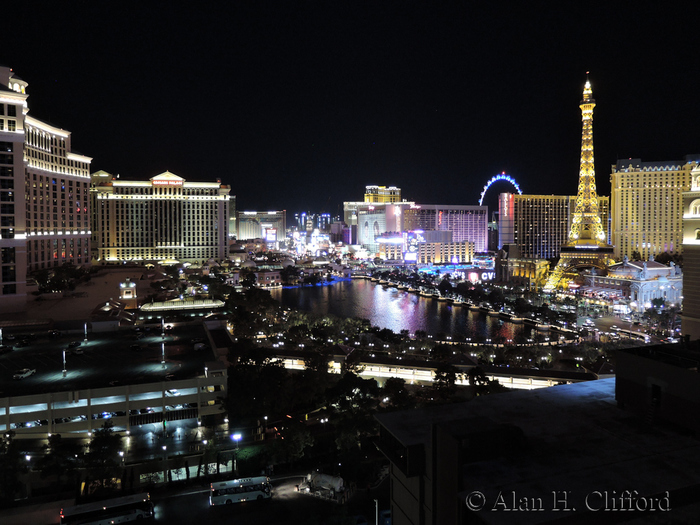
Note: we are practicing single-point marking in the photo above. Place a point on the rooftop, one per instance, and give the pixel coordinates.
(576, 439)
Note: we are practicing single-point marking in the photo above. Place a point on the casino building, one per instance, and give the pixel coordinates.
(44, 208)
(539, 225)
(164, 218)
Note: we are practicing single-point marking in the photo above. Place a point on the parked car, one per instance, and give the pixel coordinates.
(23, 373)
(5, 349)
(73, 344)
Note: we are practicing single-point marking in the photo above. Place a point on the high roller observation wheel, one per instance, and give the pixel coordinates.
(497, 178)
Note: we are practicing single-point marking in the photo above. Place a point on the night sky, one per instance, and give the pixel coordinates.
(300, 105)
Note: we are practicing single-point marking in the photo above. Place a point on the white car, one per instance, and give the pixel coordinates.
(25, 372)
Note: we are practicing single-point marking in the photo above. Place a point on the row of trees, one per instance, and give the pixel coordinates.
(64, 461)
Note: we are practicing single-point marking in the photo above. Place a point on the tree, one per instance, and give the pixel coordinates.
(444, 382)
(11, 466)
(247, 278)
(258, 389)
(312, 279)
(421, 334)
(59, 458)
(352, 362)
(477, 376)
(388, 336)
(445, 287)
(396, 394)
(658, 302)
(289, 274)
(441, 352)
(664, 258)
(295, 438)
(102, 459)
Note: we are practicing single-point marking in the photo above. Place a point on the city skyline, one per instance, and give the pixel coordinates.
(300, 106)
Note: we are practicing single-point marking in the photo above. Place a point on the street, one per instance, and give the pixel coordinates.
(191, 505)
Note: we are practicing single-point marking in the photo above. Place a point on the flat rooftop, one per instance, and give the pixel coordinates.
(126, 356)
(576, 440)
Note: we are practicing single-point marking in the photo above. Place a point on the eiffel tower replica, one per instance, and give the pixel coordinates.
(587, 246)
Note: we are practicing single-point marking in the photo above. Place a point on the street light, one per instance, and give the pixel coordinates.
(165, 464)
(236, 437)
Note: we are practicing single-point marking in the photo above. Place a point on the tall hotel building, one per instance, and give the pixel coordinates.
(165, 218)
(382, 194)
(467, 223)
(380, 211)
(44, 207)
(647, 204)
(268, 225)
(384, 211)
(539, 225)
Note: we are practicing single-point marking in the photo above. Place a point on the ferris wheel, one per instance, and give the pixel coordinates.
(498, 178)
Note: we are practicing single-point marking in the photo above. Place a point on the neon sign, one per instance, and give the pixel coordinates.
(166, 182)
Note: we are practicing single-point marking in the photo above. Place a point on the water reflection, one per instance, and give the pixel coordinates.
(397, 310)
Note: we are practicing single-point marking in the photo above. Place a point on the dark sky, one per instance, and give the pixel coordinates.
(300, 105)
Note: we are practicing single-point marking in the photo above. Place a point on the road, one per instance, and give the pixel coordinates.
(191, 505)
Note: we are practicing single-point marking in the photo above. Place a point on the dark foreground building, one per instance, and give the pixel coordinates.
(606, 451)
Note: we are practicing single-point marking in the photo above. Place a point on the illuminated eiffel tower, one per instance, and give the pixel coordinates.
(587, 245)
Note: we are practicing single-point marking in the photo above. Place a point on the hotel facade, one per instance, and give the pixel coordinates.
(383, 211)
(539, 225)
(44, 203)
(164, 218)
(647, 205)
(268, 225)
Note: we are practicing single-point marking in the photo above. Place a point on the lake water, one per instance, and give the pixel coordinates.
(388, 307)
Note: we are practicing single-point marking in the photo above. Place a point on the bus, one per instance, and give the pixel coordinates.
(238, 490)
(107, 512)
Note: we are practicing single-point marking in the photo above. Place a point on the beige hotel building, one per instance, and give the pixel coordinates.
(647, 205)
(44, 206)
(163, 219)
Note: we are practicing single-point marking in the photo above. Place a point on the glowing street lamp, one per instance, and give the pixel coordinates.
(64, 363)
(236, 437)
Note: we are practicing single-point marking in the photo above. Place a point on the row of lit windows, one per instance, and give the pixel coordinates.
(39, 139)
